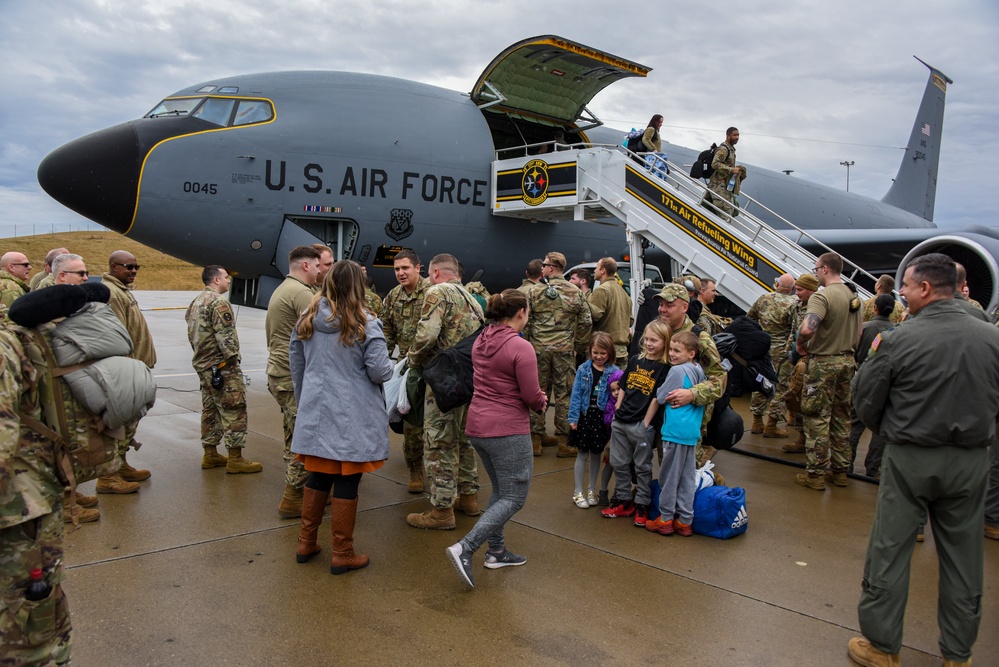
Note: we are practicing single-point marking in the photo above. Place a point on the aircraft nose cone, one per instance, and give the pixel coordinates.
(97, 176)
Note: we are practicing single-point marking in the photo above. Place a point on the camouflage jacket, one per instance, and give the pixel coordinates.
(11, 288)
(775, 313)
(373, 302)
(29, 486)
(709, 391)
(449, 314)
(401, 315)
(47, 281)
(127, 309)
(896, 313)
(211, 330)
(712, 323)
(559, 317)
(798, 316)
(525, 286)
(722, 164)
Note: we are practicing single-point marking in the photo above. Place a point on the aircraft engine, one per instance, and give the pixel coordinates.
(977, 250)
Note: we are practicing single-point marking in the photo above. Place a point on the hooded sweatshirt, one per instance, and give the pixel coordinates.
(505, 370)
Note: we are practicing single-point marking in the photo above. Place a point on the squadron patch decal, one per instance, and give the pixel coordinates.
(400, 225)
(534, 182)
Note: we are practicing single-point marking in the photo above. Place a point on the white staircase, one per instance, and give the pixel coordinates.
(742, 254)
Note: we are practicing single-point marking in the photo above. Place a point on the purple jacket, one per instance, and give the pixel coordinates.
(506, 384)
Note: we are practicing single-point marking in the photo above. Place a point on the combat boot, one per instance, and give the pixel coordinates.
(757, 424)
(861, 651)
(291, 503)
(416, 482)
(536, 443)
(83, 515)
(468, 503)
(771, 430)
(342, 517)
(837, 478)
(816, 482)
(81, 499)
(130, 474)
(564, 450)
(549, 440)
(237, 464)
(796, 447)
(433, 519)
(313, 506)
(212, 459)
(115, 484)
(954, 663)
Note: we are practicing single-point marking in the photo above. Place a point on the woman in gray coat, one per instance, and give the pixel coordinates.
(339, 362)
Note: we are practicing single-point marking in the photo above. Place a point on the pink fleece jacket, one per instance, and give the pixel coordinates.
(506, 384)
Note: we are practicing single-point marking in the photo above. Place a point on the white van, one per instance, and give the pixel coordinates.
(652, 273)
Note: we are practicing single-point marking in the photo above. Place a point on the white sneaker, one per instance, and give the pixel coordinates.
(592, 498)
(580, 501)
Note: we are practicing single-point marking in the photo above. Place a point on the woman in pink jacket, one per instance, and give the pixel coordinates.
(506, 387)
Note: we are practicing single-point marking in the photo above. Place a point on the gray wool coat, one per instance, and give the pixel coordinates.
(341, 406)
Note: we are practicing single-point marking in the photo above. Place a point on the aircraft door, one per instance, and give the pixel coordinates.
(339, 234)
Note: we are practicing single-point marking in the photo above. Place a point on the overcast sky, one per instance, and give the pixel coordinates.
(809, 83)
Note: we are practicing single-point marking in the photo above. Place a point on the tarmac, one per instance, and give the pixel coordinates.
(198, 569)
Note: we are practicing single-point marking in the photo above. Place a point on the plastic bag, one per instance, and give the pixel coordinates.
(402, 405)
(395, 386)
(704, 476)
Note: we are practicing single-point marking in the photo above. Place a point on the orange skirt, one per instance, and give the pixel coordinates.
(330, 467)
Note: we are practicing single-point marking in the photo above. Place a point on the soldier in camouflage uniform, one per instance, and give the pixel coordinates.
(371, 298)
(31, 524)
(707, 320)
(532, 276)
(774, 311)
(724, 168)
(400, 317)
(829, 337)
(884, 285)
(804, 287)
(673, 302)
(211, 330)
(449, 314)
(14, 270)
(46, 274)
(558, 327)
(286, 304)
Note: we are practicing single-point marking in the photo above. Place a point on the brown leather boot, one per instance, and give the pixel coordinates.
(83, 515)
(212, 459)
(313, 506)
(115, 484)
(81, 499)
(290, 506)
(837, 478)
(808, 480)
(862, 653)
(237, 464)
(796, 447)
(416, 482)
(468, 503)
(549, 440)
(757, 424)
(536, 443)
(432, 519)
(771, 430)
(342, 517)
(953, 663)
(130, 474)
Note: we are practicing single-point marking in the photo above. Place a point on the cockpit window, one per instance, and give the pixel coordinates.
(175, 107)
(216, 110)
(252, 111)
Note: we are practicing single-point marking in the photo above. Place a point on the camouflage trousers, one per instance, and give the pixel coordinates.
(825, 407)
(283, 391)
(700, 456)
(448, 456)
(223, 410)
(774, 407)
(720, 197)
(33, 633)
(412, 444)
(556, 372)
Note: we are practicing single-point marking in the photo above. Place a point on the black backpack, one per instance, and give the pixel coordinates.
(702, 167)
(449, 374)
(635, 144)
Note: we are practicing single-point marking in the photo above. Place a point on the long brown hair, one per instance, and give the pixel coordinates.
(343, 287)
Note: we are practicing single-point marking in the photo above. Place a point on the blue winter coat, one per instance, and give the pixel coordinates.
(579, 401)
(341, 407)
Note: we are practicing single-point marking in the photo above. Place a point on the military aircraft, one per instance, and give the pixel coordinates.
(238, 170)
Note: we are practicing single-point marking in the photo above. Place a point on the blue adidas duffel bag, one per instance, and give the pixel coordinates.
(720, 512)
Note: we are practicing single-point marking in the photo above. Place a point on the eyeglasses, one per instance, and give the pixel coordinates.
(816, 269)
(78, 273)
(128, 267)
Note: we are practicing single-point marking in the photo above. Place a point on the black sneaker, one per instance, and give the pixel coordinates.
(505, 559)
(462, 562)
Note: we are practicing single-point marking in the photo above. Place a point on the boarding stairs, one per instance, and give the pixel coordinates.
(605, 183)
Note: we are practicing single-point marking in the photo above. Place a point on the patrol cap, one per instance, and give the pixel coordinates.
(672, 292)
(692, 283)
(556, 258)
(807, 281)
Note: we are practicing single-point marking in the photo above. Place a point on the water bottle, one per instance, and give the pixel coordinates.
(731, 183)
(38, 589)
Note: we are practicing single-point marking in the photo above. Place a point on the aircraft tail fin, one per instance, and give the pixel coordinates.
(915, 185)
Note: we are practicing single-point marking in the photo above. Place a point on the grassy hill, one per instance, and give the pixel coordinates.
(158, 272)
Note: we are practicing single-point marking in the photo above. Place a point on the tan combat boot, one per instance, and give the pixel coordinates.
(757, 424)
(468, 503)
(432, 519)
(549, 440)
(416, 482)
(237, 464)
(115, 484)
(83, 515)
(861, 651)
(837, 478)
(808, 480)
(771, 430)
(955, 663)
(564, 450)
(342, 517)
(796, 447)
(81, 500)
(212, 459)
(313, 506)
(536, 443)
(291, 503)
(130, 474)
